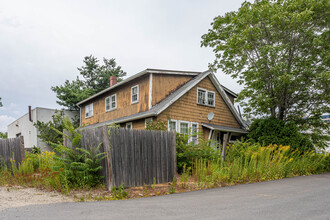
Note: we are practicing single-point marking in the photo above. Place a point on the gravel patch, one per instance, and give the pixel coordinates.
(18, 196)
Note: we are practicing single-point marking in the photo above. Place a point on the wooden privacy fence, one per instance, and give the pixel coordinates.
(12, 148)
(135, 157)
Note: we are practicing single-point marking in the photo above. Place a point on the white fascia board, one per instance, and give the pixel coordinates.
(150, 91)
(182, 93)
(226, 99)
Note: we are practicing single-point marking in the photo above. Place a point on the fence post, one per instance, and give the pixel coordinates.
(106, 147)
(21, 147)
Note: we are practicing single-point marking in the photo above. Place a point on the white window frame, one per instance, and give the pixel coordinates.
(187, 122)
(129, 123)
(206, 97)
(92, 111)
(191, 130)
(176, 124)
(146, 121)
(110, 103)
(137, 94)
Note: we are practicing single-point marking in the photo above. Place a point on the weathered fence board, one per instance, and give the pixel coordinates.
(12, 148)
(134, 157)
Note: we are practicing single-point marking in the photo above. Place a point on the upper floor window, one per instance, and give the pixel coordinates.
(135, 94)
(89, 111)
(111, 102)
(205, 97)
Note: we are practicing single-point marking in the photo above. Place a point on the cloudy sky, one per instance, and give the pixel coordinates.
(43, 42)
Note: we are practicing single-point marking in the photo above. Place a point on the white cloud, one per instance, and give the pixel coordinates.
(5, 120)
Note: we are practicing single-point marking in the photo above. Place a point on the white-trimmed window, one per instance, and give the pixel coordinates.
(172, 125)
(129, 125)
(184, 127)
(205, 97)
(194, 132)
(147, 121)
(111, 102)
(135, 94)
(89, 110)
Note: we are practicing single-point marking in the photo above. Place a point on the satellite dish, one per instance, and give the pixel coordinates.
(210, 116)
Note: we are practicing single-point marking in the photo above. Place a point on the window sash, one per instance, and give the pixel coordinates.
(205, 97)
(184, 127)
(111, 102)
(89, 111)
(135, 94)
(172, 125)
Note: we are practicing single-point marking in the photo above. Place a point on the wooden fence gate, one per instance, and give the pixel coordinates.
(134, 157)
(12, 148)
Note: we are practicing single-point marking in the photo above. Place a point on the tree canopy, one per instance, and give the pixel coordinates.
(279, 51)
(93, 78)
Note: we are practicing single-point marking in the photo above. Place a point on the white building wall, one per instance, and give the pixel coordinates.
(24, 126)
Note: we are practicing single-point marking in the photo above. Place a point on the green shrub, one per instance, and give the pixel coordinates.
(81, 166)
(188, 152)
(275, 131)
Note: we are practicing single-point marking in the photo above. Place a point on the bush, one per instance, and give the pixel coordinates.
(274, 131)
(188, 152)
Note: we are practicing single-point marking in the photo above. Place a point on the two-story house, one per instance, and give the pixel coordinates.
(186, 101)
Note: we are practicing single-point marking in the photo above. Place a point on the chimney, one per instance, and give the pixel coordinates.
(113, 80)
(30, 113)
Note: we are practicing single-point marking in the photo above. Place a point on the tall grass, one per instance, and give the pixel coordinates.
(251, 163)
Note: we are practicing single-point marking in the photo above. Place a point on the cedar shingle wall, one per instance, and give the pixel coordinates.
(163, 85)
(186, 108)
(124, 106)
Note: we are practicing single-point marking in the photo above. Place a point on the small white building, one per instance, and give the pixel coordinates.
(24, 125)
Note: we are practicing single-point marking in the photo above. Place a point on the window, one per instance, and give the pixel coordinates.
(129, 125)
(147, 121)
(194, 132)
(201, 96)
(184, 127)
(210, 98)
(111, 102)
(135, 94)
(205, 97)
(89, 111)
(172, 125)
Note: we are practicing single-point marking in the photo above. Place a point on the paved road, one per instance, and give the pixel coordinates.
(306, 197)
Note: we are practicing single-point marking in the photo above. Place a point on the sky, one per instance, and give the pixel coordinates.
(43, 42)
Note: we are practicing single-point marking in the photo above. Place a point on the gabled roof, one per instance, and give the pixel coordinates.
(147, 71)
(169, 100)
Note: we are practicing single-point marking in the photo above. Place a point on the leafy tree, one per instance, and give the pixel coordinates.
(275, 131)
(0, 102)
(48, 130)
(3, 135)
(279, 51)
(95, 78)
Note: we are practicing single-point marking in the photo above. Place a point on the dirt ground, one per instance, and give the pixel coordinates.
(16, 196)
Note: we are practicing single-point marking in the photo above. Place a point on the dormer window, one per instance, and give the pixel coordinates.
(205, 97)
(89, 111)
(135, 94)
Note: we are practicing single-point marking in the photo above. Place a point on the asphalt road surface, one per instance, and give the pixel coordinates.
(305, 197)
